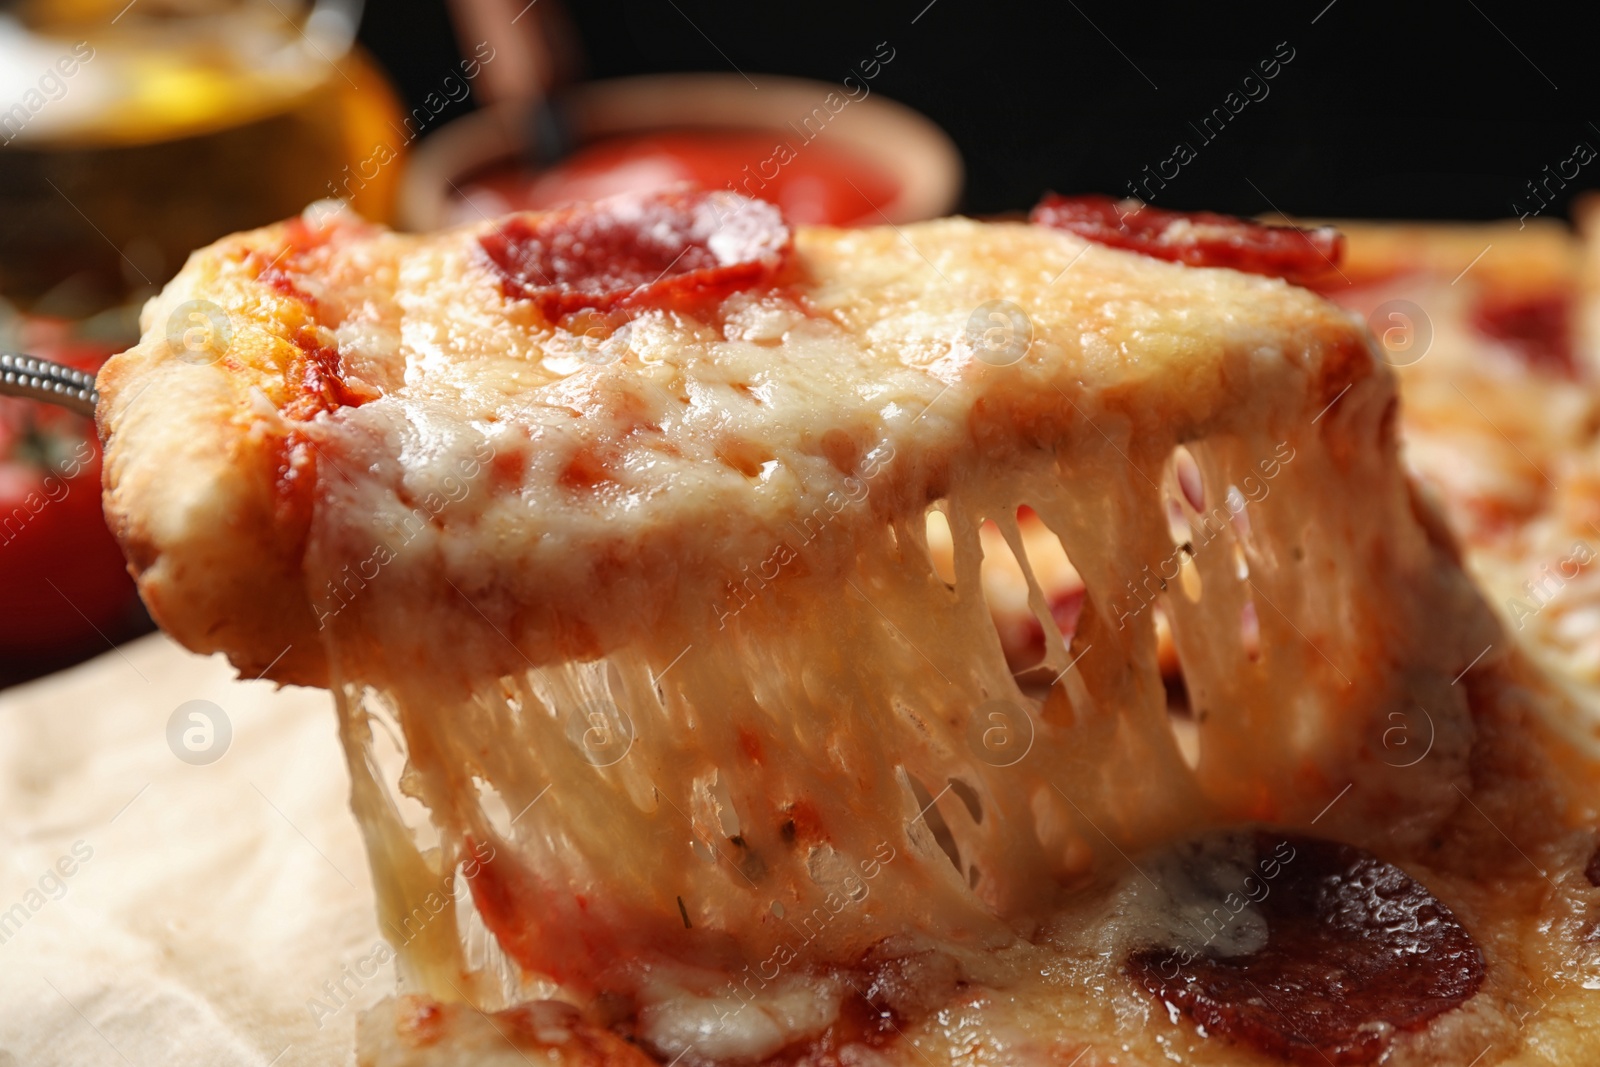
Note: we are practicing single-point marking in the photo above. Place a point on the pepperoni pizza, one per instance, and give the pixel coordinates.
(962, 642)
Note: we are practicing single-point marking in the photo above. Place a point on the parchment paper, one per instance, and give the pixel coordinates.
(159, 911)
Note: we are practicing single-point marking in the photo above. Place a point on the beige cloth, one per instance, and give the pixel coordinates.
(206, 906)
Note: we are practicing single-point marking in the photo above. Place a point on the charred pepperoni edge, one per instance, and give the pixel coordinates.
(1353, 942)
(1196, 238)
(1591, 870)
(1538, 328)
(651, 251)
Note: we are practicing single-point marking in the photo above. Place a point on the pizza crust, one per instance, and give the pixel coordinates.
(195, 458)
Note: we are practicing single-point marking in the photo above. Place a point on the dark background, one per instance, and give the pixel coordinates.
(1440, 110)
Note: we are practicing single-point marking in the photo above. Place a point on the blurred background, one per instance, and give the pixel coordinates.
(133, 132)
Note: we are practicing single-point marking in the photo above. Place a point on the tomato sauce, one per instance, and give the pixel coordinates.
(813, 182)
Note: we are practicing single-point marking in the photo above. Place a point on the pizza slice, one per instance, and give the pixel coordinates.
(673, 734)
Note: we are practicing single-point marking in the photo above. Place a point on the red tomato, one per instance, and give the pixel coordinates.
(63, 582)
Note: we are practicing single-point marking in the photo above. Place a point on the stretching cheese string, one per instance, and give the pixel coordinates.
(820, 769)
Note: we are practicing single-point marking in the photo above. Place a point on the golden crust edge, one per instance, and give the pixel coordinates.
(189, 489)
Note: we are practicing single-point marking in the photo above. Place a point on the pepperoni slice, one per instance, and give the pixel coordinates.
(1356, 950)
(670, 248)
(1196, 238)
(1536, 328)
